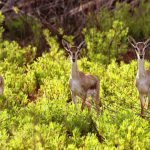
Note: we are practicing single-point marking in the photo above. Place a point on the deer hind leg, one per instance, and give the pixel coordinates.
(88, 104)
(97, 99)
(85, 103)
(142, 101)
(97, 104)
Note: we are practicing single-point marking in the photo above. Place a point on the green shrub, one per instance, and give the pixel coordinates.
(104, 46)
(36, 111)
(137, 19)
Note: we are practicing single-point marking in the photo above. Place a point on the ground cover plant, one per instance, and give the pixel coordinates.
(36, 111)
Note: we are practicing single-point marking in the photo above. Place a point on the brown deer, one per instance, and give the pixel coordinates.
(1, 85)
(82, 85)
(143, 76)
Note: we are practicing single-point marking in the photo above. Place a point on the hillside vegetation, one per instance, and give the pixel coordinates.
(36, 111)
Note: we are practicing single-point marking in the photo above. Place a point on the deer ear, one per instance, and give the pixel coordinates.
(81, 45)
(66, 45)
(147, 43)
(132, 41)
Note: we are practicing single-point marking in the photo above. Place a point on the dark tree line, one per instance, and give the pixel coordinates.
(70, 15)
(67, 14)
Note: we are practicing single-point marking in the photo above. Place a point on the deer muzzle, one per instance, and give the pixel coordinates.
(73, 59)
(141, 56)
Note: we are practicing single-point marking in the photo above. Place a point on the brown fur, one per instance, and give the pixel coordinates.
(86, 83)
(82, 85)
(1, 85)
(143, 76)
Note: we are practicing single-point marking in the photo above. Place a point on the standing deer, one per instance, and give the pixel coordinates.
(143, 76)
(1, 85)
(82, 85)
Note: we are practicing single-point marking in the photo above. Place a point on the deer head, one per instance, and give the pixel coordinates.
(139, 46)
(73, 50)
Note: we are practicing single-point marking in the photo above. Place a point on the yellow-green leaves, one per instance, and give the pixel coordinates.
(106, 45)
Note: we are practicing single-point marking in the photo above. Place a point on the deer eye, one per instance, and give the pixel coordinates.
(78, 52)
(136, 48)
(68, 53)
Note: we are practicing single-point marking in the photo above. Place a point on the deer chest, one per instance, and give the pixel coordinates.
(76, 87)
(1, 90)
(142, 85)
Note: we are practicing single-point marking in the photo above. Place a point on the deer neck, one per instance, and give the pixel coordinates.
(141, 69)
(74, 70)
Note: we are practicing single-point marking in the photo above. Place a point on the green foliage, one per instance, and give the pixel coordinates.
(35, 108)
(1, 28)
(13, 53)
(125, 131)
(104, 46)
(25, 28)
(137, 19)
(17, 27)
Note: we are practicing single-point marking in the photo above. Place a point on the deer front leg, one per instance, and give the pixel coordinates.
(142, 101)
(73, 95)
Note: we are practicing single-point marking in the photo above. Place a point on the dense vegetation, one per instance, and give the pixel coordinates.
(36, 111)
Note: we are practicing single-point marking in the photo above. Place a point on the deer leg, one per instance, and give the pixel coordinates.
(83, 103)
(88, 104)
(73, 95)
(97, 99)
(142, 101)
(97, 104)
(148, 100)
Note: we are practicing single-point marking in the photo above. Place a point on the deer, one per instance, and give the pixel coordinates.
(1, 85)
(82, 85)
(142, 76)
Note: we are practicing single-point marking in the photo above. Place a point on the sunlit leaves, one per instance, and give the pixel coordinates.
(103, 46)
(36, 110)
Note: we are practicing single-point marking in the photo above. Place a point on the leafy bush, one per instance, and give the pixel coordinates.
(137, 19)
(35, 111)
(25, 28)
(104, 46)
